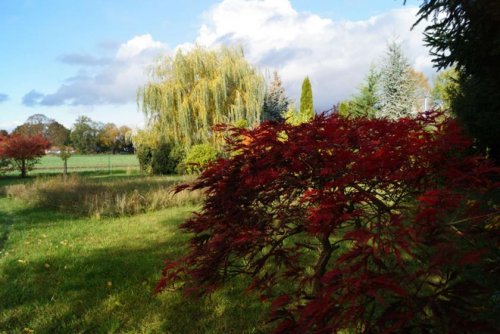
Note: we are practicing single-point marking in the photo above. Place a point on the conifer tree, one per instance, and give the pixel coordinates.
(367, 102)
(397, 89)
(275, 102)
(306, 100)
(193, 91)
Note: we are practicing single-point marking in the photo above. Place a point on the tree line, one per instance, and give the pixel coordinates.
(190, 93)
(85, 136)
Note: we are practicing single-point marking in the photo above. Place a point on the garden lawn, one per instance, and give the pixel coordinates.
(64, 274)
(53, 163)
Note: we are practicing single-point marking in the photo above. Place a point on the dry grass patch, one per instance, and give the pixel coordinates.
(104, 197)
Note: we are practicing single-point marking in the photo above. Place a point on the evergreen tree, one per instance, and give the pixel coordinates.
(193, 91)
(306, 100)
(466, 34)
(398, 88)
(367, 102)
(275, 102)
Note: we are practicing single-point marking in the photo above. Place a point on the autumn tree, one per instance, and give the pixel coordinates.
(350, 225)
(275, 101)
(56, 133)
(194, 90)
(306, 100)
(422, 90)
(23, 151)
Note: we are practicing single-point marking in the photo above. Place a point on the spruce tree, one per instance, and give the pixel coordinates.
(275, 102)
(306, 100)
(367, 102)
(398, 98)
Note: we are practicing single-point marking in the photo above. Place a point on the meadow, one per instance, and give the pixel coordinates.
(72, 271)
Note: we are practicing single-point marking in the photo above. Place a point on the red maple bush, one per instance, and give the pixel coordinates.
(370, 226)
(23, 151)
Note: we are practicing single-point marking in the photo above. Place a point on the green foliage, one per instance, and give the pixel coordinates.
(446, 86)
(398, 89)
(40, 124)
(367, 102)
(197, 158)
(165, 158)
(275, 101)
(466, 34)
(85, 135)
(294, 117)
(193, 91)
(306, 100)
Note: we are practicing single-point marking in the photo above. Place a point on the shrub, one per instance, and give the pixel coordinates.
(160, 160)
(350, 225)
(198, 157)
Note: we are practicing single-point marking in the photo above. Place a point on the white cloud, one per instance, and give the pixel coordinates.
(336, 55)
(103, 80)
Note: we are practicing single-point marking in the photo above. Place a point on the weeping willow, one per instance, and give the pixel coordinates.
(189, 93)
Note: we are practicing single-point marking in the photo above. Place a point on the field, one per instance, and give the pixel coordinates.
(91, 162)
(63, 272)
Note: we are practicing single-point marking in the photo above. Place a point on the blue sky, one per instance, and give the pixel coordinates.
(88, 57)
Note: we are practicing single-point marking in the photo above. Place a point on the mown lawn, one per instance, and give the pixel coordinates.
(71, 274)
(53, 163)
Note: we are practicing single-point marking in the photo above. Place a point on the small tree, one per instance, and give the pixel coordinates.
(65, 153)
(306, 100)
(351, 225)
(23, 151)
(398, 88)
(275, 101)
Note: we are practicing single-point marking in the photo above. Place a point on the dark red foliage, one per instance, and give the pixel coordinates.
(23, 150)
(376, 226)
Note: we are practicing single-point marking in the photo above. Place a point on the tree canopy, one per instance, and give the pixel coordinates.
(466, 34)
(194, 90)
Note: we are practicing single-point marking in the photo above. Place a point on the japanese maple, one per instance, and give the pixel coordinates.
(371, 226)
(24, 151)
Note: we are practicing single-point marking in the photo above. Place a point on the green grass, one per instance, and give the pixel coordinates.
(68, 274)
(53, 163)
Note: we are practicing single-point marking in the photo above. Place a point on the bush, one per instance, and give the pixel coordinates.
(350, 225)
(161, 160)
(198, 157)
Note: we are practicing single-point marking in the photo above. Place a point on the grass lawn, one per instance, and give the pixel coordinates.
(74, 274)
(54, 163)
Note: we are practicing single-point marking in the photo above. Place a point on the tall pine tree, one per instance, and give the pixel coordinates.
(306, 100)
(275, 102)
(398, 88)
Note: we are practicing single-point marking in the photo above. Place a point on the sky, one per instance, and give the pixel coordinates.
(64, 58)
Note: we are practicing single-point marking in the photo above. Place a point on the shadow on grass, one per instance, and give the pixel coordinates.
(111, 290)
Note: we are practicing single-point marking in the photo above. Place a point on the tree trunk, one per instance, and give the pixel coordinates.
(23, 168)
(65, 171)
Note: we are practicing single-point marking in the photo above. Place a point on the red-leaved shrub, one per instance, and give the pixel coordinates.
(370, 226)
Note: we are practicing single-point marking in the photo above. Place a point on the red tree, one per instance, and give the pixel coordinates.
(24, 151)
(374, 226)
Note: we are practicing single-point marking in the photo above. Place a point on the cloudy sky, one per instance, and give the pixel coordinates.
(88, 57)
